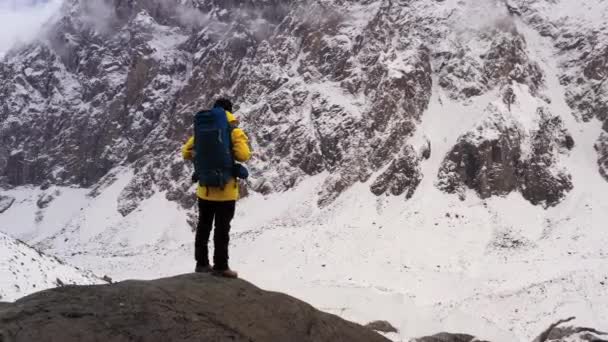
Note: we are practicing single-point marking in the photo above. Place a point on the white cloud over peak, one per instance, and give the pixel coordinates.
(21, 20)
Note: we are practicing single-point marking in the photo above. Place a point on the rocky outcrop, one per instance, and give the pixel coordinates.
(487, 159)
(447, 337)
(581, 43)
(554, 333)
(402, 176)
(321, 86)
(5, 203)
(319, 92)
(382, 326)
(184, 308)
(500, 156)
(504, 60)
(602, 150)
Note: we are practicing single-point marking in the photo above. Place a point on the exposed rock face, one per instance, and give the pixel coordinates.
(552, 334)
(350, 141)
(402, 176)
(323, 87)
(183, 308)
(484, 161)
(500, 156)
(318, 89)
(583, 47)
(504, 61)
(602, 150)
(447, 337)
(5, 203)
(382, 326)
(578, 334)
(570, 333)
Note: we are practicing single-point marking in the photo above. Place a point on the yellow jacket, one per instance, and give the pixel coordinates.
(241, 153)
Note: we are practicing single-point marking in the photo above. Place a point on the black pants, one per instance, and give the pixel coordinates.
(222, 213)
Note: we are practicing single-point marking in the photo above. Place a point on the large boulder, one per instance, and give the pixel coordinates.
(193, 307)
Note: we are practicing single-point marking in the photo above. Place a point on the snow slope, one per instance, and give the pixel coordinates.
(24, 270)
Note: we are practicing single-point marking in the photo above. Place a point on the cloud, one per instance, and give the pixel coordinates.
(21, 20)
(98, 15)
(481, 16)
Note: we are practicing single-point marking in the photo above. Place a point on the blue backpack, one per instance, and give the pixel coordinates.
(213, 161)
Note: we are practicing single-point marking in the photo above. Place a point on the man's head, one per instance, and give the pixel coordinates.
(223, 103)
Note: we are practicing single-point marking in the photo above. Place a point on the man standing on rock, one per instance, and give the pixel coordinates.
(216, 145)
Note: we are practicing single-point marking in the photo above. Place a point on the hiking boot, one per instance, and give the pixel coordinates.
(202, 268)
(228, 273)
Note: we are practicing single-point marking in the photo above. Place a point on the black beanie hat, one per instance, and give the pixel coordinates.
(224, 103)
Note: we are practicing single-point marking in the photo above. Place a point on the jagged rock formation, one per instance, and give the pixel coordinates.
(5, 203)
(602, 150)
(495, 158)
(505, 60)
(184, 308)
(583, 51)
(323, 87)
(554, 333)
(447, 337)
(131, 83)
(382, 326)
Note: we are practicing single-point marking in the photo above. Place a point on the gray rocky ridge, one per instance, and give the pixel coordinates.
(322, 86)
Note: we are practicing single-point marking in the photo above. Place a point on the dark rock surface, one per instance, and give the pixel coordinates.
(490, 159)
(129, 83)
(193, 307)
(382, 326)
(557, 333)
(332, 87)
(584, 64)
(554, 333)
(5, 203)
(602, 150)
(446, 337)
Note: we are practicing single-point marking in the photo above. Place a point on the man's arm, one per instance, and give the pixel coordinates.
(188, 149)
(240, 145)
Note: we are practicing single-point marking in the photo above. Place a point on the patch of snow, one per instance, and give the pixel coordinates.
(24, 270)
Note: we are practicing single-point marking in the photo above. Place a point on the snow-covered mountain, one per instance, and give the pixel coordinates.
(24, 270)
(441, 164)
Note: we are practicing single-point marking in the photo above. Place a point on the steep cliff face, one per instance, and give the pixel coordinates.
(602, 150)
(322, 87)
(317, 89)
(581, 41)
(500, 156)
